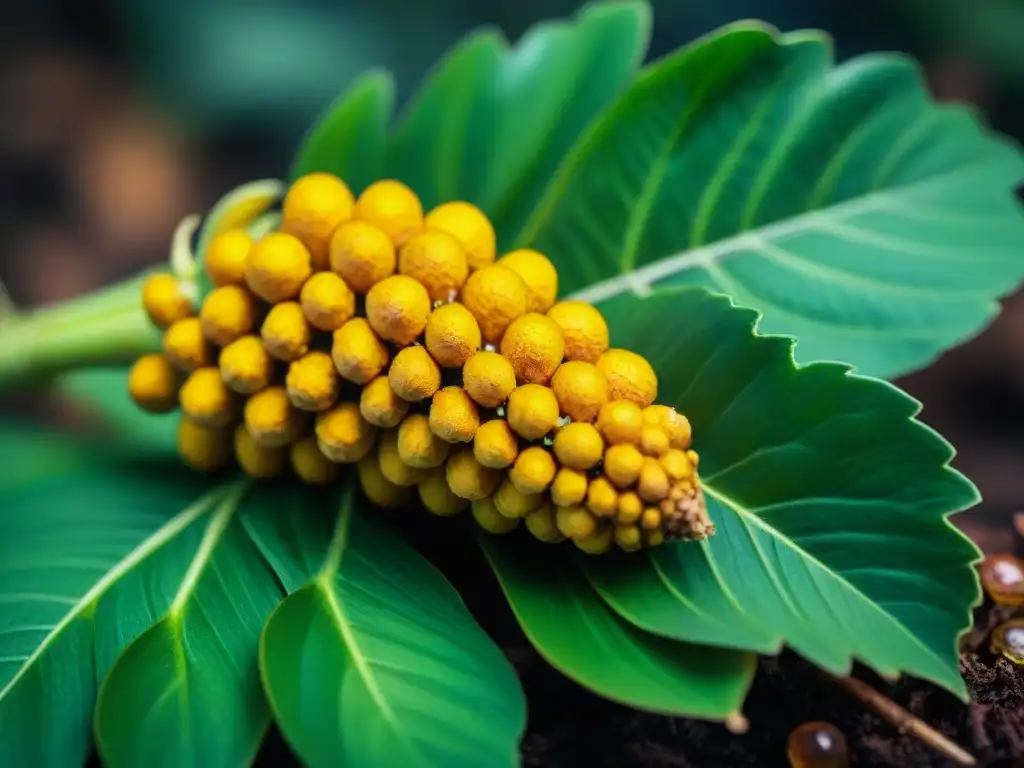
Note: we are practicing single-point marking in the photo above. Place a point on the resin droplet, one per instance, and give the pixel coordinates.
(1008, 640)
(817, 745)
(1003, 579)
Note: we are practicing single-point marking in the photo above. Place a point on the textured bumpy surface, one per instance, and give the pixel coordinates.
(366, 331)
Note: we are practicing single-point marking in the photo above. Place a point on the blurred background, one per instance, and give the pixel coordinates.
(118, 118)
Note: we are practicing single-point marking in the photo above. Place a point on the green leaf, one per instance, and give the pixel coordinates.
(350, 138)
(30, 454)
(492, 123)
(831, 503)
(187, 690)
(549, 88)
(65, 545)
(868, 222)
(580, 636)
(376, 660)
(103, 394)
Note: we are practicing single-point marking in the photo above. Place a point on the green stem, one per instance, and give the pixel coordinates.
(105, 327)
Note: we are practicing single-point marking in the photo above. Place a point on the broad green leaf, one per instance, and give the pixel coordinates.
(65, 543)
(831, 503)
(376, 660)
(428, 149)
(493, 122)
(870, 223)
(349, 139)
(103, 394)
(30, 454)
(187, 690)
(579, 635)
(548, 89)
(242, 207)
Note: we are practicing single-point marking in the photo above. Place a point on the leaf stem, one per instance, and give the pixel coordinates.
(104, 327)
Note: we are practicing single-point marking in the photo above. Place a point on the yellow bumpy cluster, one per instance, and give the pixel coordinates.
(365, 331)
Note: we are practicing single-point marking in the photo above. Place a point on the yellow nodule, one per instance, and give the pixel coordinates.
(186, 346)
(602, 497)
(677, 464)
(495, 444)
(206, 399)
(392, 467)
(675, 424)
(153, 384)
(358, 353)
(257, 460)
(542, 524)
(628, 537)
(578, 446)
(377, 487)
(286, 334)
(310, 463)
(650, 519)
(342, 433)
(452, 335)
(569, 487)
(584, 329)
(453, 415)
(597, 543)
(227, 314)
(327, 301)
(532, 411)
(393, 208)
(312, 382)
(313, 208)
(164, 301)
(581, 390)
(414, 375)
(436, 260)
(629, 508)
(539, 274)
(397, 309)
(205, 449)
(575, 522)
(630, 377)
(469, 226)
(487, 517)
(653, 484)
(272, 419)
(533, 344)
(362, 254)
(620, 421)
(513, 503)
(226, 257)
(279, 264)
(245, 365)
(488, 378)
(380, 406)
(468, 478)
(534, 470)
(437, 497)
(418, 446)
(653, 440)
(496, 296)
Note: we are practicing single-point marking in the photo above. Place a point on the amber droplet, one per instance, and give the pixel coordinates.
(817, 745)
(1008, 640)
(1003, 579)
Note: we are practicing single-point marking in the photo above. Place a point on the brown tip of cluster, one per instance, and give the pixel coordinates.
(367, 331)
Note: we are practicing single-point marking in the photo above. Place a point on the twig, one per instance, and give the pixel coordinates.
(904, 721)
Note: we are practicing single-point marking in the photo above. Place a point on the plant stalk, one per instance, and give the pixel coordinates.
(103, 328)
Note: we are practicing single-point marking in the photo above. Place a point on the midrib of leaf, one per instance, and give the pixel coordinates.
(640, 281)
(211, 537)
(325, 584)
(85, 605)
(749, 518)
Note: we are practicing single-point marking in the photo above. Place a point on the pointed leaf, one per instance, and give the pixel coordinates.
(187, 690)
(493, 122)
(580, 636)
(831, 503)
(349, 139)
(377, 661)
(863, 219)
(65, 544)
